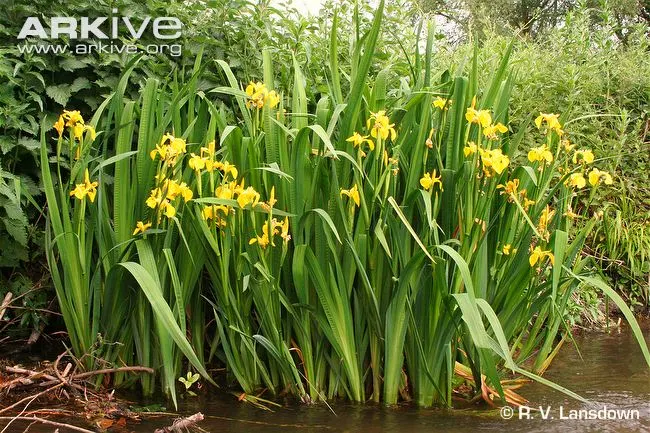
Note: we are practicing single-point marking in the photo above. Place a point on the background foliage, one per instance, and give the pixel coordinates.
(583, 70)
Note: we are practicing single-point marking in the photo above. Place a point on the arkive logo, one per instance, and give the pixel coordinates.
(102, 30)
(162, 27)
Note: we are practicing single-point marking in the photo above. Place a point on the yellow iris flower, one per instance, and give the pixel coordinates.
(277, 228)
(442, 103)
(481, 117)
(272, 99)
(79, 129)
(72, 117)
(494, 160)
(141, 227)
(248, 196)
(209, 150)
(577, 180)
(196, 162)
(357, 140)
(169, 149)
(584, 155)
(541, 154)
(59, 125)
(262, 241)
(284, 234)
(228, 168)
(208, 212)
(538, 255)
(168, 209)
(551, 120)
(381, 126)
(511, 187)
(175, 189)
(570, 214)
(544, 219)
(470, 149)
(596, 176)
(428, 181)
(227, 191)
(491, 131)
(204, 160)
(353, 193)
(567, 145)
(87, 188)
(259, 96)
(528, 203)
(74, 120)
(272, 201)
(154, 199)
(211, 213)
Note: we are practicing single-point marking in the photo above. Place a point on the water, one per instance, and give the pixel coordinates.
(611, 374)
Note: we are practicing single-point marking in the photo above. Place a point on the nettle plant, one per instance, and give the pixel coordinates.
(370, 244)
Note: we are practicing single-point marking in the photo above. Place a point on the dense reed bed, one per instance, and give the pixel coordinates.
(368, 245)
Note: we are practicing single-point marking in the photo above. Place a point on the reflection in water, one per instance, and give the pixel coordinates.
(612, 373)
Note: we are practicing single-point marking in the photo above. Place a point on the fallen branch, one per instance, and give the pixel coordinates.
(33, 375)
(112, 370)
(51, 380)
(181, 424)
(45, 421)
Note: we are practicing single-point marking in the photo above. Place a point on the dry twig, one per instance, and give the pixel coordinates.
(182, 424)
(45, 421)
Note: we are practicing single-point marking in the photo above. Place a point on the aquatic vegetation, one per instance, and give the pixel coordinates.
(363, 249)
